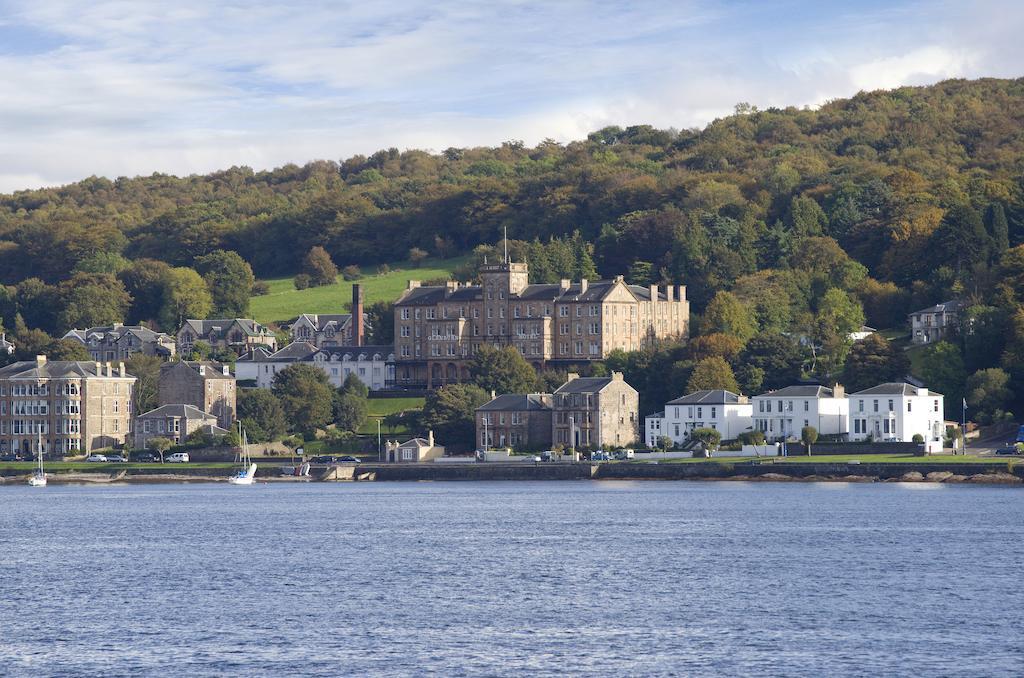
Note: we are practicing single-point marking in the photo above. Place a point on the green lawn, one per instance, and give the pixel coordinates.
(284, 302)
(378, 408)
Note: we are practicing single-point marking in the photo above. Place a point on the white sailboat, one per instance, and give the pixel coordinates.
(38, 479)
(246, 474)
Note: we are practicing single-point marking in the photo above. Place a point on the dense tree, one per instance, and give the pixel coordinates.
(66, 349)
(809, 436)
(961, 240)
(450, 413)
(872, 361)
(146, 370)
(942, 369)
(712, 373)
(185, 296)
(306, 397)
(350, 404)
(261, 414)
(727, 315)
(144, 281)
(319, 267)
(380, 323)
(93, 299)
(838, 315)
(988, 394)
(778, 358)
(230, 281)
(502, 370)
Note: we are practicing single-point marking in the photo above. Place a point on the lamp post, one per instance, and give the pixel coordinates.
(379, 448)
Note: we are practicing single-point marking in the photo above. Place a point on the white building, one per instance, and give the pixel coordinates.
(374, 365)
(783, 413)
(654, 424)
(931, 324)
(724, 411)
(895, 412)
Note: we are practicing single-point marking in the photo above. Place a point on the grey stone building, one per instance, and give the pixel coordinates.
(120, 342)
(519, 421)
(205, 385)
(595, 412)
(174, 422)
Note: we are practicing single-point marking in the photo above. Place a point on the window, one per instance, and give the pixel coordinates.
(890, 405)
(875, 403)
(807, 406)
(714, 412)
(908, 406)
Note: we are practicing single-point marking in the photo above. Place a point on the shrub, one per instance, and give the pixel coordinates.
(708, 436)
(260, 288)
(303, 281)
(918, 438)
(351, 273)
(752, 438)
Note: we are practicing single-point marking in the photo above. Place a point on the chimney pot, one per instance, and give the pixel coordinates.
(583, 285)
(564, 284)
(41, 360)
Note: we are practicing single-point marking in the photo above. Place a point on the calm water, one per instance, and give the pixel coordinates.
(602, 578)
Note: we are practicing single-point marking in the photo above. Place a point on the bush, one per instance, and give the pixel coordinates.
(918, 438)
(752, 438)
(708, 436)
(351, 273)
(383, 269)
(260, 288)
(303, 281)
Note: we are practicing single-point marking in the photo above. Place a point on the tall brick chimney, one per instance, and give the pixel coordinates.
(357, 314)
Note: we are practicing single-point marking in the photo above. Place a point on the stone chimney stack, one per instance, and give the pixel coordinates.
(564, 284)
(668, 293)
(99, 366)
(654, 292)
(570, 376)
(225, 369)
(838, 391)
(681, 292)
(430, 437)
(120, 370)
(358, 331)
(583, 285)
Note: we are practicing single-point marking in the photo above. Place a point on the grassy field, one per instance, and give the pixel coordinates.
(378, 408)
(284, 302)
(863, 458)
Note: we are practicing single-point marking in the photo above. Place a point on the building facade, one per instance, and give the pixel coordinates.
(6, 347)
(654, 425)
(373, 365)
(439, 329)
(206, 386)
(174, 422)
(413, 451)
(519, 421)
(235, 334)
(121, 342)
(726, 412)
(73, 406)
(333, 330)
(934, 323)
(783, 413)
(896, 412)
(595, 412)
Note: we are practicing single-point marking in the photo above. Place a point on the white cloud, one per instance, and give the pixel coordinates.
(121, 88)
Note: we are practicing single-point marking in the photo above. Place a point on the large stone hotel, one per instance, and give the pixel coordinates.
(438, 329)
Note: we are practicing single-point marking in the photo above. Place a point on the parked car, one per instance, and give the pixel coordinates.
(145, 458)
(625, 454)
(178, 458)
(96, 458)
(1007, 450)
(348, 459)
(9, 456)
(117, 458)
(323, 459)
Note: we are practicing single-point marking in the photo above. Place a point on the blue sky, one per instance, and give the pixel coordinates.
(131, 87)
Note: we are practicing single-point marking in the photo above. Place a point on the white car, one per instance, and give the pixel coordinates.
(96, 457)
(178, 458)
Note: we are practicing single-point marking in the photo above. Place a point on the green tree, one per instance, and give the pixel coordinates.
(261, 414)
(779, 359)
(380, 323)
(102, 262)
(306, 397)
(93, 299)
(941, 367)
(416, 256)
(450, 412)
(144, 281)
(988, 394)
(809, 436)
(185, 296)
(640, 273)
(839, 315)
(961, 239)
(230, 281)
(66, 349)
(728, 315)
(872, 361)
(998, 230)
(319, 267)
(350, 404)
(502, 370)
(712, 373)
(708, 437)
(159, 445)
(146, 370)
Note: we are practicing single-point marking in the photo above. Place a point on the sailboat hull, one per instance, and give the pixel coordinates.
(246, 477)
(37, 481)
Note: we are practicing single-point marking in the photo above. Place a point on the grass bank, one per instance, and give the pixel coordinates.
(863, 458)
(284, 302)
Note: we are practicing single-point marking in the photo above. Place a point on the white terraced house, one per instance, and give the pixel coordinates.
(783, 413)
(895, 412)
(724, 411)
(654, 424)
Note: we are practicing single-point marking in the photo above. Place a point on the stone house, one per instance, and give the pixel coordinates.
(74, 406)
(413, 451)
(206, 386)
(519, 421)
(174, 422)
(120, 342)
(333, 329)
(934, 323)
(438, 329)
(236, 334)
(595, 412)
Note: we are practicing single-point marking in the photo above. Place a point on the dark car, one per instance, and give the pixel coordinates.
(9, 456)
(324, 459)
(348, 459)
(146, 458)
(1007, 450)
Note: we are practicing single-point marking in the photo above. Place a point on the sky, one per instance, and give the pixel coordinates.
(131, 87)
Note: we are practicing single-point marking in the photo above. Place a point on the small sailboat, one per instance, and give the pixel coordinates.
(247, 472)
(38, 479)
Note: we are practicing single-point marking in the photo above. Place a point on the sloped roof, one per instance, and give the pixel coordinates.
(54, 369)
(656, 415)
(707, 397)
(221, 326)
(214, 370)
(596, 291)
(893, 388)
(176, 410)
(517, 402)
(584, 385)
(945, 307)
(799, 391)
(302, 351)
